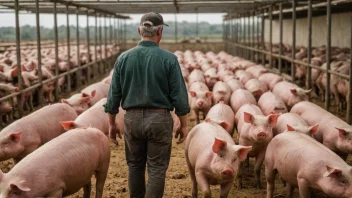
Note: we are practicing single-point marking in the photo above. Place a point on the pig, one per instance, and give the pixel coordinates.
(199, 99)
(234, 84)
(306, 164)
(333, 132)
(243, 76)
(211, 77)
(290, 93)
(107, 80)
(270, 103)
(241, 97)
(79, 102)
(222, 113)
(256, 87)
(196, 75)
(221, 92)
(95, 117)
(212, 158)
(257, 70)
(97, 91)
(254, 129)
(29, 133)
(294, 122)
(74, 157)
(270, 79)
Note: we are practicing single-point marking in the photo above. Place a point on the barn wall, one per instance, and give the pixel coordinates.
(340, 30)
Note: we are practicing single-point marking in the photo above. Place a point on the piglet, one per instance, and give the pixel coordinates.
(241, 97)
(212, 158)
(270, 103)
(234, 84)
(74, 157)
(254, 129)
(200, 99)
(270, 79)
(256, 87)
(306, 164)
(79, 102)
(29, 133)
(294, 122)
(222, 114)
(196, 76)
(96, 91)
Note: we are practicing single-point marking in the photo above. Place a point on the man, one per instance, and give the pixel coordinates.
(148, 82)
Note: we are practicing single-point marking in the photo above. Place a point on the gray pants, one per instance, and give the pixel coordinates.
(148, 139)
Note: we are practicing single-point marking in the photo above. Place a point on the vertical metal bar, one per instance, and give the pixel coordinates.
(253, 33)
(95, 45)
(39, 57)
(281, 36)
(197, 24)
(115, 30)
(125, 33)
(88, 50)
(105, 44)
(262, 37)
(110, 30)
(79, 72)
(69, 83)
(56, 37)
(257, 35)
(18, 57)
(175, 27)
(271, 36)
(328, 54)
(309, 52)
(349, 96)
(101, 65)
(293, 40)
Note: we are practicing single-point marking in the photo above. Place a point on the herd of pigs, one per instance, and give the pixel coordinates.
(30, 74)
(57, 149)
(340, 62)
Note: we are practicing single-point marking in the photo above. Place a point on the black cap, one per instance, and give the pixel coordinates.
(152, 19)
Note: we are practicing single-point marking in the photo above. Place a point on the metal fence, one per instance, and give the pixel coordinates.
(244, 37)
(96, 67)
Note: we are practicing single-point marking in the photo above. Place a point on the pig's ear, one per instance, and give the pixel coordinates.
(248, 117)
(20, 185)
(14, 72)
(68, 125)
(207, 120)
(93, 93)
(258, 92)
(209, 94)
(342, 132)
(219, 145)
(293, 91)
(64, 101)
(193, 94)
(85, 95)
(242, 151)
(314, 129)
(273, 119)
(332, 172)
(224, 125)
(290, 128)
(15, 136)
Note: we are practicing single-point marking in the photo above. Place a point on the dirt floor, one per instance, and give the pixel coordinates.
(178, 182)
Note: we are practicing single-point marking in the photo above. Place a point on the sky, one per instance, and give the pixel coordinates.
(46, 20)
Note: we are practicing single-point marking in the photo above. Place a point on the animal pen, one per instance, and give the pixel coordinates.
(247, 32)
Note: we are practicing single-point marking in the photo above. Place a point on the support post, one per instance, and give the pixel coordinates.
(349, 96)
(18, 57)
(69, 80)
(309, 47)
(39, 57)
(56, 37)
(88, 50)
(293, 73)
(281, 37)
(271, 36)
(79, 72)
(328, 55)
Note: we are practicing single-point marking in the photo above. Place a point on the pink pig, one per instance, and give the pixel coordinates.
(270, 79)
(74, 157)
(222, 114)
(254, 129)
(294, 122)
(221, 92)
(212, 158)
(306, 164)
(200, 99)
(256, 87)
(290, 93)
(270, 103)
(29, 133)
(241, 97)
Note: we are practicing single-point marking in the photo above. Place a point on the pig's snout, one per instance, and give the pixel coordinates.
(261, 135)
(227, 173)
(200, 103)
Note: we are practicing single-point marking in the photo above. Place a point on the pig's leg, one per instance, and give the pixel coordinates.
(247, 162)
(193, 178)
(270, 175)
(101, 177)
(203, 185)
(225, 189)
(87, 189)
(304, 191)
(257, 167)
(239, 176)
(56, 194)
(289, 191)
(196, 114)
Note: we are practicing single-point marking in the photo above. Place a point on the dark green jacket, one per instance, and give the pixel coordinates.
(147, 76)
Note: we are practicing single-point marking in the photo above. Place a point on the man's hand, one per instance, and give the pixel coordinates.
(181, 133)
(113, 130)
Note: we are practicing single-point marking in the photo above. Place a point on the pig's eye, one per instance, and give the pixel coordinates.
(221, 155)
(234, 160)
(342, 183)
